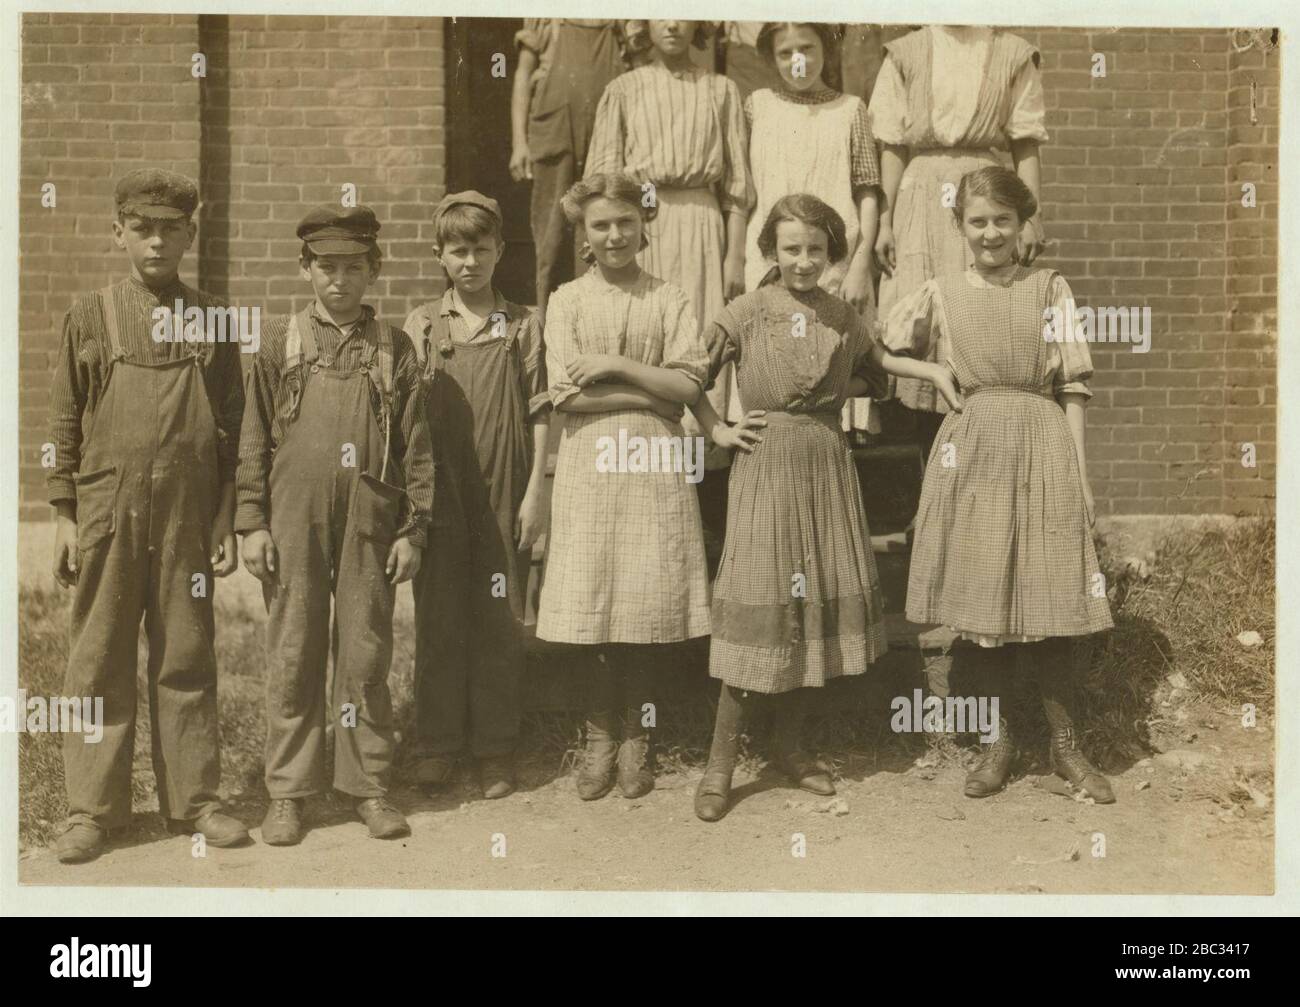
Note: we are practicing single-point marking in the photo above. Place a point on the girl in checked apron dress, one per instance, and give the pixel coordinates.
(679, 131)
(1003, 551)
(625, 568)
(945, 99)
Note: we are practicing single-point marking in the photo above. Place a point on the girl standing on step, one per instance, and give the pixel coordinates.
(804, 136)
(680, 132)
(1003, 551)
(946, 97)
(797, 600)
(625, 563)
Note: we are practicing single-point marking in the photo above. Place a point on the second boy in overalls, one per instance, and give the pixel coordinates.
(335, 486)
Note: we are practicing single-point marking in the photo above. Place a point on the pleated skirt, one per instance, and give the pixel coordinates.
(797, 599)
(1002, 545)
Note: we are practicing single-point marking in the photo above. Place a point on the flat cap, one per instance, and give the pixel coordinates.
(334, 230)
(467, 198)
(155, 193)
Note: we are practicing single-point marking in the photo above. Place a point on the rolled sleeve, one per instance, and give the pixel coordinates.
(683, 348)
(888, 105)
(1070, 361)
(561, 347)
(914, 322)
(737, 189)
(536, 396)
(534, 35)
(607, 150)
(1028, 117)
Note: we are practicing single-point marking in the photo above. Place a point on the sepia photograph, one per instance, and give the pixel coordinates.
(556, 455)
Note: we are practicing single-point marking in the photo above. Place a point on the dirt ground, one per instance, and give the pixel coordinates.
(1176, 828)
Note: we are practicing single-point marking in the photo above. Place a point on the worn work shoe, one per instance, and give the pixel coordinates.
(282, 825)
(497, 776)
(433, 770)
(382, 819)
(809, 774)
(1069, 763)
(80, 842)
(636, 775)
(994, 767)
(596, 774)
(216, 827)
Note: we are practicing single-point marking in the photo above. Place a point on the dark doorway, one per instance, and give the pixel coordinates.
(478, 137)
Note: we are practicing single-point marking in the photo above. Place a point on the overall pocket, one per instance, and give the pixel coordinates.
(96, 506)
(375, 509)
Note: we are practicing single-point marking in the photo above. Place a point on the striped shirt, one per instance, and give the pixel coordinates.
(864, 165)
(679, 129)
(81, 370)
(411, 447)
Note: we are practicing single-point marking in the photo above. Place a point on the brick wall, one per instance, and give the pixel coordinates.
(1142, 188)
(295, 107)
(1142, 196)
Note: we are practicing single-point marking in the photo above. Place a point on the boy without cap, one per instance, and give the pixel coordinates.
(335, 486)
(145, 434)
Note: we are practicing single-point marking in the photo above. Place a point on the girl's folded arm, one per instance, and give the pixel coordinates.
(608, 398)
(662, 382)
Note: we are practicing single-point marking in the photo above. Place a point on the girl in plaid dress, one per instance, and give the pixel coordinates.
(1003, 550)
(625, 563)
(797, 601)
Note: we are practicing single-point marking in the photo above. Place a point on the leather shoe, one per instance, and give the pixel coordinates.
(382, 819)
(81, 841)
(636, 776)
(433, 770)
(497, 776)
(282, 825)
(809, 774)
(216, 827)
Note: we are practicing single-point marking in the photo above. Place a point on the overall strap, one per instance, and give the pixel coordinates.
(434, 333)
(300, 342)
(109, 300)
(383, 348)
(384, 345)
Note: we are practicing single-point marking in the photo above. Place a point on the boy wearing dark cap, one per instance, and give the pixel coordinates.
(145, 432)
(335, 485)
(484, 368)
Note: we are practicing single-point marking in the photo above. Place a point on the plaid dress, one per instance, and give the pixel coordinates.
(797, 600)
(1003, 551)
(951, 95)
(625, 559)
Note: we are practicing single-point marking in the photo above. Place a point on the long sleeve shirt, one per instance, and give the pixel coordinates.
(82, 370)
(349, 347)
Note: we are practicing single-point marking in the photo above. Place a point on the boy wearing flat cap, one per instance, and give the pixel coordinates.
(483, 365)
(145, 434)
(335, 486)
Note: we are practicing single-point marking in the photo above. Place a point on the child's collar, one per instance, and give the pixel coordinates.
(453, 305)
(322, 316)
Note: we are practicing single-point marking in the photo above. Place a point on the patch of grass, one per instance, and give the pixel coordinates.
(1204, 588)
